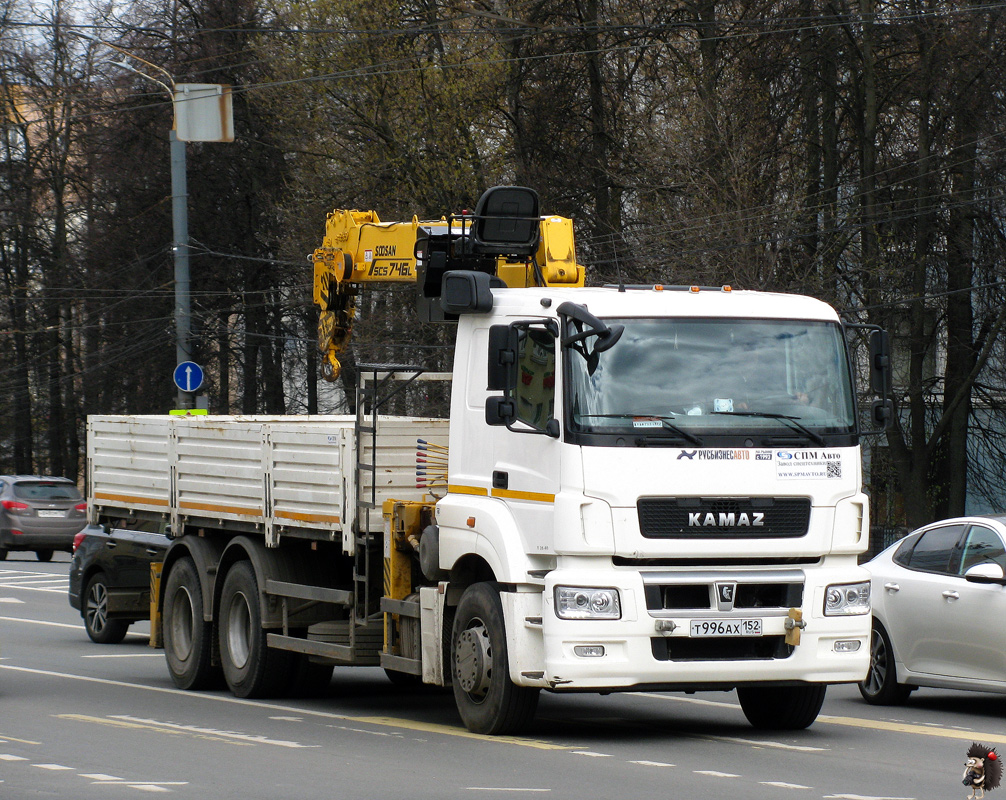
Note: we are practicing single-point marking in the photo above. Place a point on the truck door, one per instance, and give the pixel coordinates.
(526, 454)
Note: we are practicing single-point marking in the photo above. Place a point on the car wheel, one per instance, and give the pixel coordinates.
(99, 627)
(43, 555)
(881, 687)
(3, 553)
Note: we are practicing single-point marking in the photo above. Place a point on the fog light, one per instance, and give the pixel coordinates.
(589, 650)
(847, 646)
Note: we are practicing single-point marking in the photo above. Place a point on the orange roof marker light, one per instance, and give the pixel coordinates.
(695, 289)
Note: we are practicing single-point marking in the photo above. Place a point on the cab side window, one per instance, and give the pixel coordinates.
(982, 546)
(535, 390)
(938, 550)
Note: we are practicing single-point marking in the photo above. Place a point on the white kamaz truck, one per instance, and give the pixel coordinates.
(652, 488)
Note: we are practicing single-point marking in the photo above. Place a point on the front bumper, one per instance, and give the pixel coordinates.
(654, 647)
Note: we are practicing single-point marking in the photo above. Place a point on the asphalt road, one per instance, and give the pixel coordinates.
(88, 721)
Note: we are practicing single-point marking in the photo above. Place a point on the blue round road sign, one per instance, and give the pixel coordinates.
(188, 376)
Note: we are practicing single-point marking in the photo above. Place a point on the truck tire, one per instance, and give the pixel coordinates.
(44, 554)
(881, 687)
(251, 668)
(99, 627)
(782, 708)
(188, 638)
(487, 700)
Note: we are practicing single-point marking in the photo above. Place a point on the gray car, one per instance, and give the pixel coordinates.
(938, 596)
(39, 513)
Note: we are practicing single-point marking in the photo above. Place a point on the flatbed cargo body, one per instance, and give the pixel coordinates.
(268, 475)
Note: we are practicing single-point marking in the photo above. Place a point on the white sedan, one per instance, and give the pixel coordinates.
(938, 597)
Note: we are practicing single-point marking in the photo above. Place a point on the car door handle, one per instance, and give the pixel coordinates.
(111, 545)
(152, 551)
(892, 587)
(950, 594)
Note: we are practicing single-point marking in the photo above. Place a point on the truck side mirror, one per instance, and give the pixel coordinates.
(502, 358)
(466, 292)
(880, 363)
(500, 411)
(882, 412)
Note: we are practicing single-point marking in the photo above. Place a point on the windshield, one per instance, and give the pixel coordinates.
(686, 378)
(46, 490)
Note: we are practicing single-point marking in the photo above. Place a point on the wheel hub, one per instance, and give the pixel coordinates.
(473, 661)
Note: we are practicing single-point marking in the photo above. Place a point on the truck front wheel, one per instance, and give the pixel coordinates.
(782, 708)
(188, 638)
(251, 668)
(488, 701)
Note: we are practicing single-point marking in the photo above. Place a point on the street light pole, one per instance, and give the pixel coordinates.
(179, 218)
(180, 228)
(220, 129)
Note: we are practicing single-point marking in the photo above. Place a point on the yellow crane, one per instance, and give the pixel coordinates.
(504, 236)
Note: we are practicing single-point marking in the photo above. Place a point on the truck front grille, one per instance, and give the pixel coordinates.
(702, 596)
(723, 517)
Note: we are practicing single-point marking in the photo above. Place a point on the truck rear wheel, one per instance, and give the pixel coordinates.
(188, 638)
(782, 708)
(488, 701)
(251, 668)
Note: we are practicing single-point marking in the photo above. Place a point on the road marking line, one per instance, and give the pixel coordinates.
(128, 655)
(861, 797)
(34, 589)
(651, 763)
(251, 738)
(696, 700)
(7, 738)
(9, 757)
(759, 743)
(42, 622)
(591, 754)
(138, 784)
(713, 773)
(904, 727)
(54, 767)
(784, 785)
(855, 722)
(115, 723)
(503, 789)
(391, 722)
(101, 776)
(364, 730)
(12, 600)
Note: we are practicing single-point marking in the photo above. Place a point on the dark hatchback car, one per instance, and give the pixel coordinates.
(39, 513)
(110, 578)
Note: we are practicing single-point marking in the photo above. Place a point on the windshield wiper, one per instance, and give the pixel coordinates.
(664, 421)
(790, 422)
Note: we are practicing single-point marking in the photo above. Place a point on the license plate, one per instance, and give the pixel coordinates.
(46, 513)
(703, 628)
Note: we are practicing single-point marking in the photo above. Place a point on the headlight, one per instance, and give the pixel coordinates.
(846, 599)
(575, 603)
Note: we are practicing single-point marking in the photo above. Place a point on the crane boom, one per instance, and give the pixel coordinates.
(504, 237)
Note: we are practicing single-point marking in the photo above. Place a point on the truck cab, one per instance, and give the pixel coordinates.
(665, 486)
